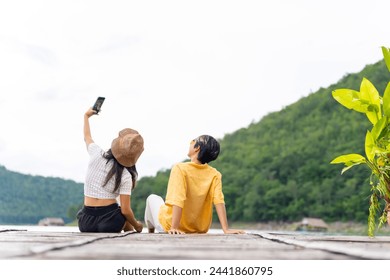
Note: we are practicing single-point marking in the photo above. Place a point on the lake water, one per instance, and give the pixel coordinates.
(40, 228)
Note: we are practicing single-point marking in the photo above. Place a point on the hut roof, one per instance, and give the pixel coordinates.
(313, 222)
(50, 221)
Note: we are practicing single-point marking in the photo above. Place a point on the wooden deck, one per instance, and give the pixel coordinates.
(66, 243)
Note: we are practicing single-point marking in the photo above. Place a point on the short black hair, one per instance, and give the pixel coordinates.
(209, 148)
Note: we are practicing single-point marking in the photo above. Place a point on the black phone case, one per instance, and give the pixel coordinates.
(98, 104)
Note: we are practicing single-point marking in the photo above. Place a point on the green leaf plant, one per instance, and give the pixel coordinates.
(377, 144)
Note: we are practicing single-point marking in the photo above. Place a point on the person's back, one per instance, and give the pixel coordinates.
(194, 188)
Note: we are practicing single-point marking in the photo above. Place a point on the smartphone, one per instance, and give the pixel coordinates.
(98, 104)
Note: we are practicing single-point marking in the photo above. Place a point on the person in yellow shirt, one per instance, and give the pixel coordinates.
(193, 188)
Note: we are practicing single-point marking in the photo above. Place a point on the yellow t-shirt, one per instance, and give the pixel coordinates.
(194, 188)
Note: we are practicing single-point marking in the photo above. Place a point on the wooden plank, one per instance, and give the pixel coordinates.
(61, 243)
(209, 246)
(358, 247)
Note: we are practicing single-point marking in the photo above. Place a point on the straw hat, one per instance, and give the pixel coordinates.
(127, 147)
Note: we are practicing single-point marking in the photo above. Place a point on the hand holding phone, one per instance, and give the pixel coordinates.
(98, 104)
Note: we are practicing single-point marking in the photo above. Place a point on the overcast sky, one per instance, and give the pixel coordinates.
(172, 70)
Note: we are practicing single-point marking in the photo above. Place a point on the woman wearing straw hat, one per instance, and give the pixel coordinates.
(110, 175)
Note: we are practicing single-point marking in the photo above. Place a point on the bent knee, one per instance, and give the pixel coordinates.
(154, 197)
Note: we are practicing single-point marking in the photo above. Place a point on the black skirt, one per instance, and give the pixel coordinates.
(101, 219)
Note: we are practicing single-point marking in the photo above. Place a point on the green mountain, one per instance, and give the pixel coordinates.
(278, 169)
(25, 199)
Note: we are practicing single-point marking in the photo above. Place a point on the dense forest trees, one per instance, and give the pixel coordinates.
(25, 199)
(277, 169)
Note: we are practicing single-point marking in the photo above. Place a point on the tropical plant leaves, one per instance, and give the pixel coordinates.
(370, 147)
(386, 56)
(350, 99)
(379, 128)
(386, 101)
(366, 101)
(369, 95)
(349, 160)
(377, 110)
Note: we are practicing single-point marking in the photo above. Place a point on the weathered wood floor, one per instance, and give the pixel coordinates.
(67, 243)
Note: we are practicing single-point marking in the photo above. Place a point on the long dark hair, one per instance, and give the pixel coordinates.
(117, 170)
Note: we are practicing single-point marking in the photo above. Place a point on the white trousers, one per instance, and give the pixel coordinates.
(153, 204)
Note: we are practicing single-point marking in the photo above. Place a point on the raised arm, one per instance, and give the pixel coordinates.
(87, 130)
